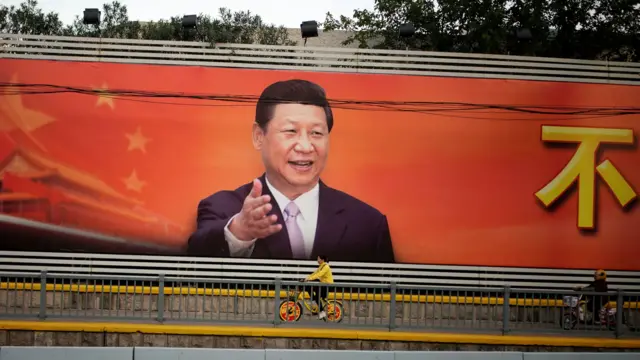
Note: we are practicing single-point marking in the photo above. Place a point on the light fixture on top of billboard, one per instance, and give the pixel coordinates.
(407, 30)
(91, 17)
(189, 21)
(309, 29)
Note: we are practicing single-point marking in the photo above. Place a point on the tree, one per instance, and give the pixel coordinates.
(582, 29)
(114, 23)
(29, 19)
(239, 27)
(229, 27)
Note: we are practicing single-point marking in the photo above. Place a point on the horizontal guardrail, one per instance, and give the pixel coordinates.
(316, 59)
(286, 303)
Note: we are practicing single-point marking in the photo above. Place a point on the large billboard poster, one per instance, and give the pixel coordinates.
(290, 165)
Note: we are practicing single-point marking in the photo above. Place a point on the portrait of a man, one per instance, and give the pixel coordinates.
(289, 212)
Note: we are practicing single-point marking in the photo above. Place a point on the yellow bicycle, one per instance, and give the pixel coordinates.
(291, 309)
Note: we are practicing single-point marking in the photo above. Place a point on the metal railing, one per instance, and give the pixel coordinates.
(287, 303)
(345, 60)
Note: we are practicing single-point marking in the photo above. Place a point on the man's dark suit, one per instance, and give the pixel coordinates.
(347, 229)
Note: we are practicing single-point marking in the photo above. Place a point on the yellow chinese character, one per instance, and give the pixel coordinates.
(583, 168)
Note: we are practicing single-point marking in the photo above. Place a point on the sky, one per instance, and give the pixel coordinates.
(289, 13)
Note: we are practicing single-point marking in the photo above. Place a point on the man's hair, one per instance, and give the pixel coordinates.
(291, 91)
(324, 258)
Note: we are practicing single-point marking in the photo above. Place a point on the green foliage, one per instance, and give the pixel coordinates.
(581, 29)
(229, 27)
(29, 19)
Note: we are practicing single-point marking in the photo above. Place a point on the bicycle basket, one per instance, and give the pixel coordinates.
(292, 294)
(571, 301)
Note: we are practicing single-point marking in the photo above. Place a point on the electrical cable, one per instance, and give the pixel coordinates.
(426, 107)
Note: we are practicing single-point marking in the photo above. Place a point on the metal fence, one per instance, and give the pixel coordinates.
(286, 303)
(344, 60)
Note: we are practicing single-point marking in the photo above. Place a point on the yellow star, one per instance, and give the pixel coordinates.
(104, 97)
(137, 141)
(133, 183)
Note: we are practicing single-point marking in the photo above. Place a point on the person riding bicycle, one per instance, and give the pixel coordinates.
(599, 284)
(323, 275)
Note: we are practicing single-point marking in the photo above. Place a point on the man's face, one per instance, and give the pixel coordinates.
(294, 146)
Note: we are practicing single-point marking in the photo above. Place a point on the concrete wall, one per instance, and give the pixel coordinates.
(150, 340)
(38, 353)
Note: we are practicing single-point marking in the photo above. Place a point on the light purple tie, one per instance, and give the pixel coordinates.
(295, 234)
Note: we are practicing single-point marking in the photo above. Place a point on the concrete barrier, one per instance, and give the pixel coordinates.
(65, 353)
(141, 353)
(196, 354)
(457, 355)
(579, 356)
(291, 354)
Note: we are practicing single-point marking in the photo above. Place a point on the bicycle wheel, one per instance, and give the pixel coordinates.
(334, 312)
(290, 311)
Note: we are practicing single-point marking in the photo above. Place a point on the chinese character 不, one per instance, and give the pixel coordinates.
(582, 167)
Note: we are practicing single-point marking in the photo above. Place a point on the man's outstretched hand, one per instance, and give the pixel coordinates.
(252, 222)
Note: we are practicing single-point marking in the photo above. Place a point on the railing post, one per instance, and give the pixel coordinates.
(392, 305)
(42, 314)
(619, 312)
(160, 317)
(276, 301)
(506, 314)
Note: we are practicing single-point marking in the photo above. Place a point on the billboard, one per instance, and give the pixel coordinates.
(408, 169)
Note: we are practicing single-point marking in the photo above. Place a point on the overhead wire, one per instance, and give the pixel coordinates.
(425, 107)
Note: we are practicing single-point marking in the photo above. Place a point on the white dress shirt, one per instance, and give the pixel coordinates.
(307, 221)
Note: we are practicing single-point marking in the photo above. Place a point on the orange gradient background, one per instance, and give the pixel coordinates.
(457, 186)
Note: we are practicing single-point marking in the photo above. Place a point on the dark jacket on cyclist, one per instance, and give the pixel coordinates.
(599, 285)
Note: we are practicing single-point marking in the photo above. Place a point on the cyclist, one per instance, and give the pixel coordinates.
(323, 275)
(598, 285)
